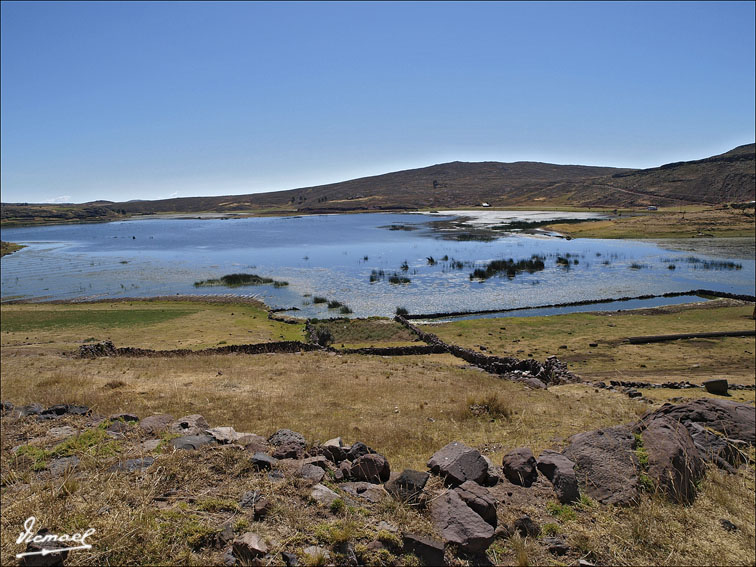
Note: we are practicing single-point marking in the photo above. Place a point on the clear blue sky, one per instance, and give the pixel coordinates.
(148, 100)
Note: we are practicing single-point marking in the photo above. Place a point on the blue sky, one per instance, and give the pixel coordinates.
(149, 100)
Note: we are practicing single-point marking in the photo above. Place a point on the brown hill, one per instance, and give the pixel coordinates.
(729, 177)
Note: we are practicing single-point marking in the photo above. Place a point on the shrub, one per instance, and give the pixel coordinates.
(402, 311)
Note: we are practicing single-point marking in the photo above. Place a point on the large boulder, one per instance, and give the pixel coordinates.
(561, 473)
(429, 551)
(519, 467)
(459, 524)
(606, 464)
(674, 463)
(371, 468)
(457, 463)
(719, 428)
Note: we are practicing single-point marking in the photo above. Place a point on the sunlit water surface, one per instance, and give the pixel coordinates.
(333, 256)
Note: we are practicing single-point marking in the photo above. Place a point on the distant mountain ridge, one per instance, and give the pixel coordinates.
(728, 177)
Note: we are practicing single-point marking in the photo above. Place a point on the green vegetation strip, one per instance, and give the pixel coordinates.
(239, 280)
(28, 320)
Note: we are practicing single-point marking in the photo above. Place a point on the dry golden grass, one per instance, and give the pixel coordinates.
(404, 407)
(612, 359)
(667, 222)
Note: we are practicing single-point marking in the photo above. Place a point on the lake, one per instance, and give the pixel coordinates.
(334, 256)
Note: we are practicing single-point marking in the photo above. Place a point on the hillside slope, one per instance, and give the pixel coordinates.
(725, 178)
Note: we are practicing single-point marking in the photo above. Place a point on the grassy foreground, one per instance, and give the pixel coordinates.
(404, 407)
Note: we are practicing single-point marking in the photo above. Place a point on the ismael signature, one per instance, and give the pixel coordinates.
(29, 537)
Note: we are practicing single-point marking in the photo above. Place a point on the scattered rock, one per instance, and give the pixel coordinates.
(728, 525)
(527, 527)
(717, 387)
(289, 559)
(358, 450)
(323, 495)
(261, 508)
(370, 468)
(429, 551)
(249, 546)
(130, 417)
(555, 545)
(150, 444)
(191, 442)
(371, 492)
(606, 464)
(457, 463)
(479, 499)
(262, 461)
(156, 424)
(316, 555)
(334, 450)
(6, 408)
(63, 409)
(289, 450)
(342, 472)
(119, 427)
(286, 436)
(190, 425)
(223, 435)
(561, 473)
(311, 472)
(229, 559)
(457, 523)
(249, 499)
(63, 465)
(519, 466)
(132, 465)
(319, 461)
(408, 486)
(31, 409)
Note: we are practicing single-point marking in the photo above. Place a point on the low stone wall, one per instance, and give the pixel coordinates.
(107, 348)
(749, 298)
(552, 371)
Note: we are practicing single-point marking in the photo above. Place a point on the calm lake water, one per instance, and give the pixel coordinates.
(334, 255)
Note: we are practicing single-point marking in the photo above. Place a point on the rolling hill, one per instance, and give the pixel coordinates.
(725, 178)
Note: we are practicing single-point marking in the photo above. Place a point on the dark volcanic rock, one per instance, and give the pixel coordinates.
(456, 463)
(284, 436)
(370, 468)
(527, 527)
(555, 545)
(735, 422)
(479, 499)
(674, 462)
(262, 461)
(63, 409)
(429, 551)
(191, 442)
(358, 450)
(156, 424)
(408, 486)
(289, 450)
(561, 473)
(519, 466)
(606, 464)
(717, 387)
(457, 523)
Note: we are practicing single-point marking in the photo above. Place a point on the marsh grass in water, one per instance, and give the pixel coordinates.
(509, 267)
(240, 280)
